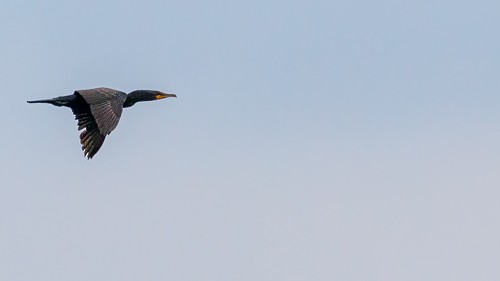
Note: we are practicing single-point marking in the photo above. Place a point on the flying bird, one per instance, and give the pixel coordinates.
(98, 112)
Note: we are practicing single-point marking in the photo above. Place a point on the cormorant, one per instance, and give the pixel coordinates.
(98, 112)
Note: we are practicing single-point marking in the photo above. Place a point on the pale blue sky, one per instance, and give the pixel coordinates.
(310, 140)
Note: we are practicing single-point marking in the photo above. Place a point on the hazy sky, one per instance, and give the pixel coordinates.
(310, 140)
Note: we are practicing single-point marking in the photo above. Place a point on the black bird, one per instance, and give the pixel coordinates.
(98, 112)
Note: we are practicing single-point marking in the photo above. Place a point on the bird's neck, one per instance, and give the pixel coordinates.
(128, 102)
(136, 96)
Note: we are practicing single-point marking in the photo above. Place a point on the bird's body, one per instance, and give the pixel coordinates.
(98, 112)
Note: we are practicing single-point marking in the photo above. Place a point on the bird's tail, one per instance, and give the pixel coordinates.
(41, 101)
(59, 101)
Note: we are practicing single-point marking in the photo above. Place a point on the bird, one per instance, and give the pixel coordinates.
(98, 111)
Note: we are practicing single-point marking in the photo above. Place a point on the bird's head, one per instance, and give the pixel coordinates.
(145, 95)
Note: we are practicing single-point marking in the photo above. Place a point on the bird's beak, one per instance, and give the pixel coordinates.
(164, 95)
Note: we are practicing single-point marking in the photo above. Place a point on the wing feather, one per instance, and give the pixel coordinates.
(106, 106)
(98, 112)
(91, 138)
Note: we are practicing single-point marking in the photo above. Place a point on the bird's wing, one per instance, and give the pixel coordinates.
(91, 138)
(106, 106)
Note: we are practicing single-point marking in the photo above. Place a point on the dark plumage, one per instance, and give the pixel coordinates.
(98, 112)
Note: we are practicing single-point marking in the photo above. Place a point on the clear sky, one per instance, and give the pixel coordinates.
(310, 140)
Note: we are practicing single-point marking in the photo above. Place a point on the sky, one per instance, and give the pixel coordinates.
(310, 140)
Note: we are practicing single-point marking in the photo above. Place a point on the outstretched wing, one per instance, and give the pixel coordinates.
(106, 106)
(90, 138)
(98, 111)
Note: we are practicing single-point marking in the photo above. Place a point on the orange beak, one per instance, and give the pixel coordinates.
(163, 95)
